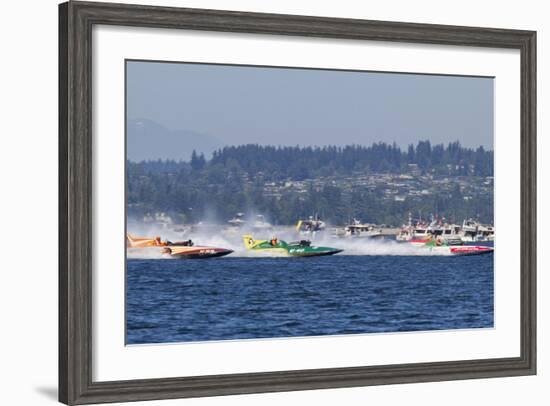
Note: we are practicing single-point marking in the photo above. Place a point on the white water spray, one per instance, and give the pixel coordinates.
(223, 237)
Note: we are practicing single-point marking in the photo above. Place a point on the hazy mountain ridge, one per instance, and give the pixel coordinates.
(148, 140)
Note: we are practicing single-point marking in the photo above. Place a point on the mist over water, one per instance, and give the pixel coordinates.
(219, 236)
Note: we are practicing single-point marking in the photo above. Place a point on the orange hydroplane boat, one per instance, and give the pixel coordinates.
(180, 249)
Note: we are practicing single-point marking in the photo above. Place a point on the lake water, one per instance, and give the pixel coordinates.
(226, 298)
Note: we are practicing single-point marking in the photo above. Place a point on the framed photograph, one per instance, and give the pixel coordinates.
(259, 202)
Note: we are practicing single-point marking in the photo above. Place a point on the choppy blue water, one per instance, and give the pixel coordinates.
(239, 298)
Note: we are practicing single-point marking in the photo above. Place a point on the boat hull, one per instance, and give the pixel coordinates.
(312, 251)
(464, 250)
(196, 252)
(471, 250)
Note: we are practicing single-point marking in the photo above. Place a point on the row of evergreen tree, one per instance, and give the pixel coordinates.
(302, 162)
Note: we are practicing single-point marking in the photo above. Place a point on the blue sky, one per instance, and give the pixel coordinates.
(228, 105)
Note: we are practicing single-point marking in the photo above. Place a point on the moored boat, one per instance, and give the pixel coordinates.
(356, 229)
(473, 231)
(418, 231)
(310, 226)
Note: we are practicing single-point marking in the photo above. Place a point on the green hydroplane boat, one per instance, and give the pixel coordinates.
(278, 247)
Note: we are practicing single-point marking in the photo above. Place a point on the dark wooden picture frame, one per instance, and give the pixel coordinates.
(76, 20)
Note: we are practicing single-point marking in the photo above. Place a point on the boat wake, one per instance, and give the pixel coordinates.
(384, 247)
(146, 253)
(350, 246)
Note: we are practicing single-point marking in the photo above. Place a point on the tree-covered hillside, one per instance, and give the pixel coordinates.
(380, 183)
